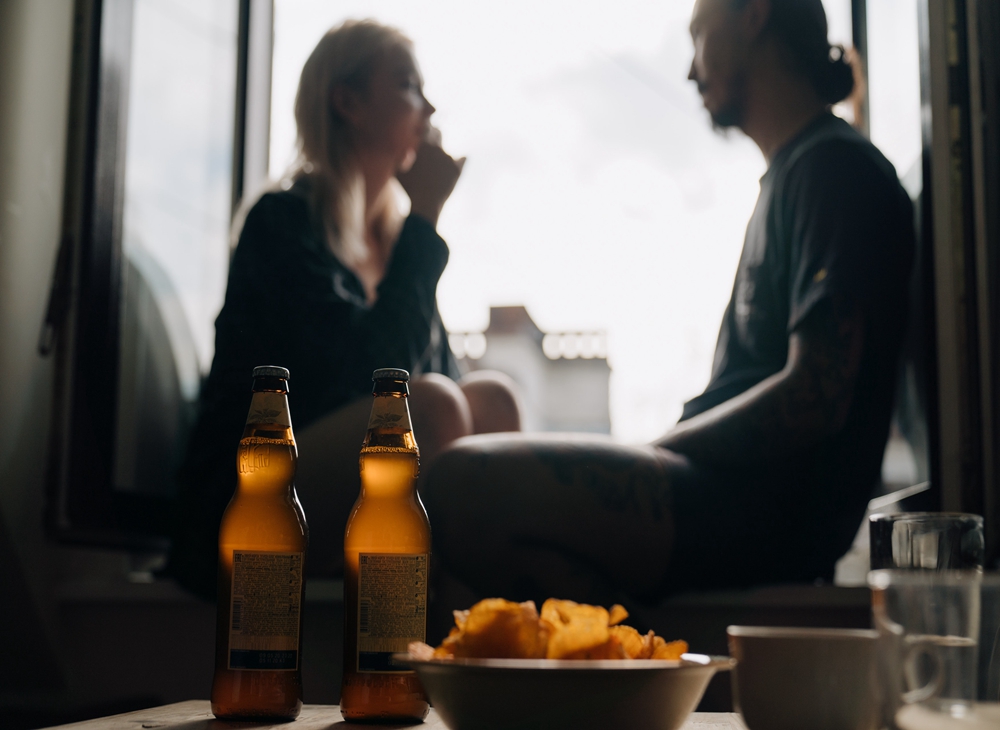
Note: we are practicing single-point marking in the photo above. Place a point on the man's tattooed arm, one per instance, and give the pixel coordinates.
(808, 400)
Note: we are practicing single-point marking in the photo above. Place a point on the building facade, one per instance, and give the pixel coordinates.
(563, 376)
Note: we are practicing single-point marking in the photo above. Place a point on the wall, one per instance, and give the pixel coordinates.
(34, 71)
(50, 680)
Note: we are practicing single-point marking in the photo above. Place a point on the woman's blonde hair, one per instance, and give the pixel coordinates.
(346, 55)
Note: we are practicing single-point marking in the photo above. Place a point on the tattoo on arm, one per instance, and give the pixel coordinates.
(619, 479)
(825, 354)
(808, 400)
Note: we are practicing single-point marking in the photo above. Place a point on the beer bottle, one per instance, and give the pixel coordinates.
(386, 555)
(262, 551)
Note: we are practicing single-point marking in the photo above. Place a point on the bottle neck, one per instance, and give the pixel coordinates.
(267, 455)
(389, 424)
(269, 416)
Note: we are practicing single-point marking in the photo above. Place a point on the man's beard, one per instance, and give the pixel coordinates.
(732, 113)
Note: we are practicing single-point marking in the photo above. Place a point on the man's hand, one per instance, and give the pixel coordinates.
(432, 177)
(805, 402)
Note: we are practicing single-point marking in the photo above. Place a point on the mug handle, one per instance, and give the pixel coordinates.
(920, 647)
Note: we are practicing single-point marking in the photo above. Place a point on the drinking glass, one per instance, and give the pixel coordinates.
(927, 541)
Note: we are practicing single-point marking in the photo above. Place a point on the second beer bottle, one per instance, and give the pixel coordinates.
(262, 551)
(386, 558)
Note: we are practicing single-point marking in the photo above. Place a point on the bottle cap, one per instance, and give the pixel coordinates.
(391, 374)
(270, 371)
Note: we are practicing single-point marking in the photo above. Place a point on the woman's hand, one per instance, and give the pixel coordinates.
(432, 177)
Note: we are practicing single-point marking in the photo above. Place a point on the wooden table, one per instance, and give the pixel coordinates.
(197, 715)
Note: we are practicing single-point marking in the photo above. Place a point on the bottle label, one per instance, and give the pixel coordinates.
(268, 408)
(392, 608)
(264, 610)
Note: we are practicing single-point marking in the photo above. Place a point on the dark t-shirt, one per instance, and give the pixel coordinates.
(831, 220)
(291, 302)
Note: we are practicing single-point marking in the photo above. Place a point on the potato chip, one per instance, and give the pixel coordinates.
(447, 648)
(617, 614)
(497, 629)
(610, 649)
(575, 628)
(668, 650)
(648, 644)
(420, 650)
(636, 645)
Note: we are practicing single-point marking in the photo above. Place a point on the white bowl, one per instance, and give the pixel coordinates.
(557, 694)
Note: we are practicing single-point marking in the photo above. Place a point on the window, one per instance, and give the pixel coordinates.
(165, 104)
(894, 86)
(175, 232)
(596, 195)
(895, 126)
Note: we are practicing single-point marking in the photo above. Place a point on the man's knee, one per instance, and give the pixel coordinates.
(474, 479)
(500, 497)
(493, 400)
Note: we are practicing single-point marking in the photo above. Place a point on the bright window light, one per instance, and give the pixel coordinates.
(596, 193)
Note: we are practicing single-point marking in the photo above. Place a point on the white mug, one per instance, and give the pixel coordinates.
(795, 678)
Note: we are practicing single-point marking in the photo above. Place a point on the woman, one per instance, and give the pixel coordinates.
(329, 280)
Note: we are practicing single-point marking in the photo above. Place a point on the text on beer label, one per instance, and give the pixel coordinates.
(392, 607)
(265, 610)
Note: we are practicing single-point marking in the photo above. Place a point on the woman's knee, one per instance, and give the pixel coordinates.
(494, 401)
(440, 413)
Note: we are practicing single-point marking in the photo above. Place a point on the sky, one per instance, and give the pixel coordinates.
(595, 192)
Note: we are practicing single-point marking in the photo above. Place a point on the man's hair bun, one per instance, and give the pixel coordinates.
(834, 80)
(800, 25)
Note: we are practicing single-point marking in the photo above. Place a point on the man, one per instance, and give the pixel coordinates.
(766, 477)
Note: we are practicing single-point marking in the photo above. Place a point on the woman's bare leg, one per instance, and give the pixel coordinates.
(440, 414)
(327, 478)
(493, 400)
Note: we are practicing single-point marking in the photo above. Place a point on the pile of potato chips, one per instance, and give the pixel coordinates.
(499, 629)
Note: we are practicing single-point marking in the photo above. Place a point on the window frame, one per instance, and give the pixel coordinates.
(82, 324)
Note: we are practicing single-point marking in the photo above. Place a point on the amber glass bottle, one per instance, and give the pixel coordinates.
(386, 555)
(262, 551)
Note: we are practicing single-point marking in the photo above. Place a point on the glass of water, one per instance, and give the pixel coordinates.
(938, 647)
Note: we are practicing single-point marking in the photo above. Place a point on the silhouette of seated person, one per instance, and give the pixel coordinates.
(329, 280)
(767, 475)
